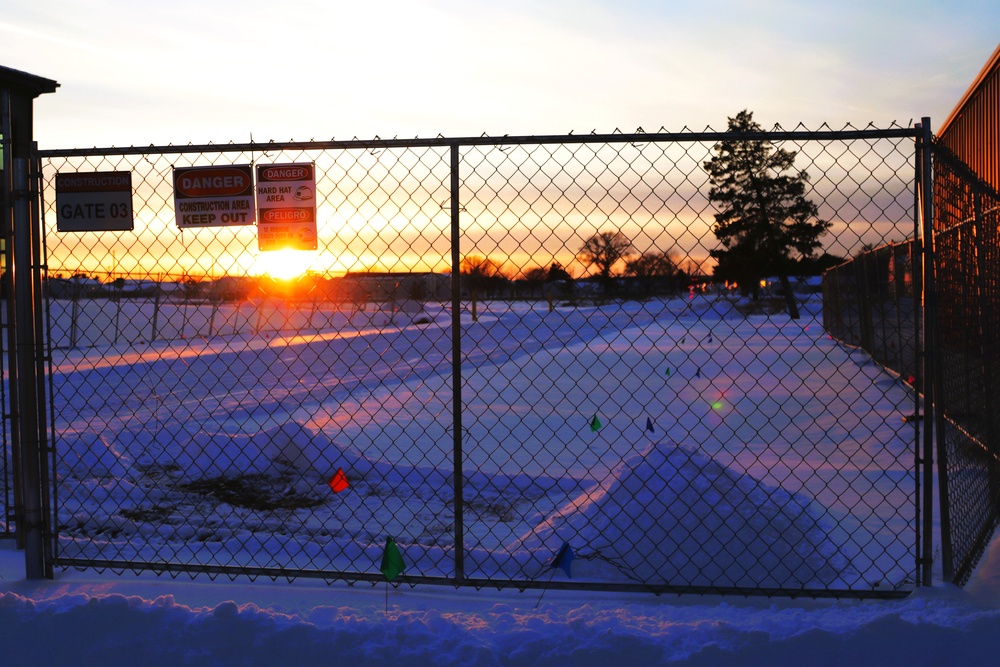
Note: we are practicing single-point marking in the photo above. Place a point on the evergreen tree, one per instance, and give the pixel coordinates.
(764, 221)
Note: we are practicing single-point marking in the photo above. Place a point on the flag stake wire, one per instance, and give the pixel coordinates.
(561, 560)
(551, 576)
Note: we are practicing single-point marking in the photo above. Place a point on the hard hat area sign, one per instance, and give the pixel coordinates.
(286, 202)
(214, 196)
(94, 202)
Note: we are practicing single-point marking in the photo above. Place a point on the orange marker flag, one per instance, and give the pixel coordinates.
(339, 481)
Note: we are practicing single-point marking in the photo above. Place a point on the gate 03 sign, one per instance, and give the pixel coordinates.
(95, 202)
(286, 202)
(213, 196)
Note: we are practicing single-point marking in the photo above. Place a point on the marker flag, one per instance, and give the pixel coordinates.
(392, 560)
(649, 425)
(709, 339)
(698, 374)
(563, 559)
(595, 424)
(339, 481)
(668, 372)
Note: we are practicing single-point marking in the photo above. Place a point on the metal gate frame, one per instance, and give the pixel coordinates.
(964, 326)
(922, 549)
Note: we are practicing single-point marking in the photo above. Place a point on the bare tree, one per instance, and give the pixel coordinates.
(482, 274)
(604, 250)
(650, 268)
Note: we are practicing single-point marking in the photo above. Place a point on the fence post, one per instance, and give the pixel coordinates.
(864, 304)
(456, 367)
(933, 421)
(26, 302)
(74, 314)
(156, 315)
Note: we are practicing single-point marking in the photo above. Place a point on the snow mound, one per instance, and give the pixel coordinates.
(89, 454)
(674, 515)
(208, 453)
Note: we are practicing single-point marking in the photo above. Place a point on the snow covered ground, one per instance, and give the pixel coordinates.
(83, 618)
(776, 458)
(732, 451)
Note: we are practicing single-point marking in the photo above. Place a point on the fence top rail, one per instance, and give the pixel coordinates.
(505, 140)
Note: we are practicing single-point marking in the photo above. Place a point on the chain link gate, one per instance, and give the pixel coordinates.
(452, 370)
(966, 241)
(7, 462)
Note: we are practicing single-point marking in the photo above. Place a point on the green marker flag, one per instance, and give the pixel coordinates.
(392, 560)
(668, 372)
(595, 424)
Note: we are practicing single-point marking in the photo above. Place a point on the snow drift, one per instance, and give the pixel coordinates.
(672, 514)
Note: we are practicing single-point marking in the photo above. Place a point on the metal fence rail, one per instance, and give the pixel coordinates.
(966, 242)
(453, 373)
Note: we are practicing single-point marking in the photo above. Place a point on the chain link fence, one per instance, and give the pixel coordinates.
(452, 369)
(10, 490)
(873, 302)
(966, 241)
(8, 485)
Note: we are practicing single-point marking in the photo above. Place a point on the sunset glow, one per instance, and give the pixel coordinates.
(283, 264)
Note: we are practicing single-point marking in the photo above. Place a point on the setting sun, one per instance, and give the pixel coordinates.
(284, 264)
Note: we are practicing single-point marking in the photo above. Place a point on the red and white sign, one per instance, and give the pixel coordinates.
(94, 202)
(214, 196)
(286, 205)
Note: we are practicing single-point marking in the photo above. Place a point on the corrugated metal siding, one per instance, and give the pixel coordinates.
(972, 132)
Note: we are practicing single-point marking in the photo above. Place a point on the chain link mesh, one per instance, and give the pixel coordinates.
(677, 435)
(11, 458)
(966, 242)
(8, 461)
(874, 302)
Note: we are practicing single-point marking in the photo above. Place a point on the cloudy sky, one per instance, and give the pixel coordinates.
(135, 73)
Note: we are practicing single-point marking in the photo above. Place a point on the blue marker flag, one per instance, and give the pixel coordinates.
(563, 558)
(649, 425)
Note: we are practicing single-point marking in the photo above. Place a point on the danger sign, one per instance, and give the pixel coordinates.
(214, 196)
(286, 202)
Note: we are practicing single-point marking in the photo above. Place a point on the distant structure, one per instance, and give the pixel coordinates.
(389, 286)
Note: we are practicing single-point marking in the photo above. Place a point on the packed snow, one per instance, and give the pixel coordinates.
(84, 618)
(737, 438)
(763, 434)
